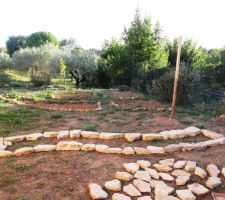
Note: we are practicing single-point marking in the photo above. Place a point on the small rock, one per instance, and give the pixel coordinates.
(74, 134)
(114, 185)
(179, 172)
(90, 134)
(166, 177)
(131, 191)
(200, 172)
(144, 164)
(144, 198)
(180, 164)
(190, 166)
(192, 131)
(151, 136)
(182, 180)
(142, 175)
(162, 189)
(7, 143)
(18, 138)
(3, 147)
(162, 168)
(156, 150)
(213, 182)
(173, 134)
(68, 146)
(5, 153)
(124, 176)
(131, 167)
(153, 183)
(115, 150)
(44, 147)
(23, 151)
(101, 148)
(167, 162)
(63, 135)
(153, 173)
(170, 197)
(212, 170)
(173, 148)
(110, 136)
(97, 192)
(88, 147)
(132, 136)
(118, 196)
(211, 134)
(198, 189)
(142, 186)
(140, 150)
(223, 172)
(50, 134)
(185, 194)
(128, 150)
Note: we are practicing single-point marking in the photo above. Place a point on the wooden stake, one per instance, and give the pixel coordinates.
(176, 77)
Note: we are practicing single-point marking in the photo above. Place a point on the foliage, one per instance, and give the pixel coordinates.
(90, 127)
(40, 78)
(41, 38)
(15, 43)
(220, 74)
(4, 60)
(4, 79)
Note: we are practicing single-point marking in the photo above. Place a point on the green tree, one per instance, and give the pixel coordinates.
(63, 68)
(15, 43)
(41, 38)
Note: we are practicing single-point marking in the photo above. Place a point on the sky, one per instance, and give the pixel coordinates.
(91, 22)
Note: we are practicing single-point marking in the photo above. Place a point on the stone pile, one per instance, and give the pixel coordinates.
(160, 181)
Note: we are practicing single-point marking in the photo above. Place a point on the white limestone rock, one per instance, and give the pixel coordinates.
(185, 194)
(213, 182)
(179, 172)
(123, 176)
(192, 131)
(156, 150)
(88, 147)
(101, 148)
(162, 189)
(162, 168)
(144, 164)
(211, 134)
(90, 134)
(173, 134)
(142, 175)
(190, 166)
(153, 173)
(151, 136)
(63, 135)
(110, 136)
(115, 150)
(170, 197)
(182, 179)
(140, 150)
(212, 170)
(131, 137)
(75, 134)
(173, 148)
(7, 143)
(23, 151)
(167, 162)
(166, 177)
(198, 189)
(44, 148)
(131, 190)
(131, 167)
(223, 172)
(144, 198)
(18, 138)
(153, 183)
(97, 192)
(113, 185)
(180, 164)
(68, 146)
(118, 196)
(200, 172)
(50, 134)
(3, 147)
(128, 150)
(5, 153)
(142, 186)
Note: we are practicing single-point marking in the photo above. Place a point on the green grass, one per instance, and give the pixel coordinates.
(23, 167)
(56, 115)
(90, 127)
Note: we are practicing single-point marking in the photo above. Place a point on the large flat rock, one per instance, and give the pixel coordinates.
(97, 192)
(68, 146)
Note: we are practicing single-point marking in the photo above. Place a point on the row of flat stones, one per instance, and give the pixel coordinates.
(145, 177)
(216, 139)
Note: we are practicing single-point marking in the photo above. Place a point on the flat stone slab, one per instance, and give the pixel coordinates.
(162, 189)
(169, 197)
(118, 196)
(166, 177)
(131, 190)
(198, 189)
(18, 138)
(131, 137)
(88, 147)
(156, 150)
(167, 162)
(173, 134)
(153, 183)
(180, 164)
(173, 148)
(75, 134)
(128, 150)
(50, 134)
(179, 172)
(3, 147)
(144, 198)
(162, 168)
(185, 194)
(68, 146)
(140, 150)
(115, 150)
(223, 172)
(123, 176)
(5, 153)
(101, 148)
(44, 148)
(131, 167)
(153, 173)
(110, 136)
(97, 192)
(113, 185)
(151, 136)
(142, 186)
(63, 135)
(213, 182)
(182, 180)
(144, 164)
(200, 172)
(142, 175)
(212, 170)
(211, 134)
(190, 166)
(192, 131)
(90, 134)
(23, 151)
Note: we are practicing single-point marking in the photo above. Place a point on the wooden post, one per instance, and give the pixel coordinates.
(176, 77)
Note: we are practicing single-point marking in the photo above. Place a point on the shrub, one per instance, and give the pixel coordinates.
(4, 80)
(40, 78)
(124, 88)
(90, 127)
(4, 60)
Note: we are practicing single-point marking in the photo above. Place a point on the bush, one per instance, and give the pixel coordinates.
(4, 60)
(4, 80)
(40, 78)
(124, 88)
